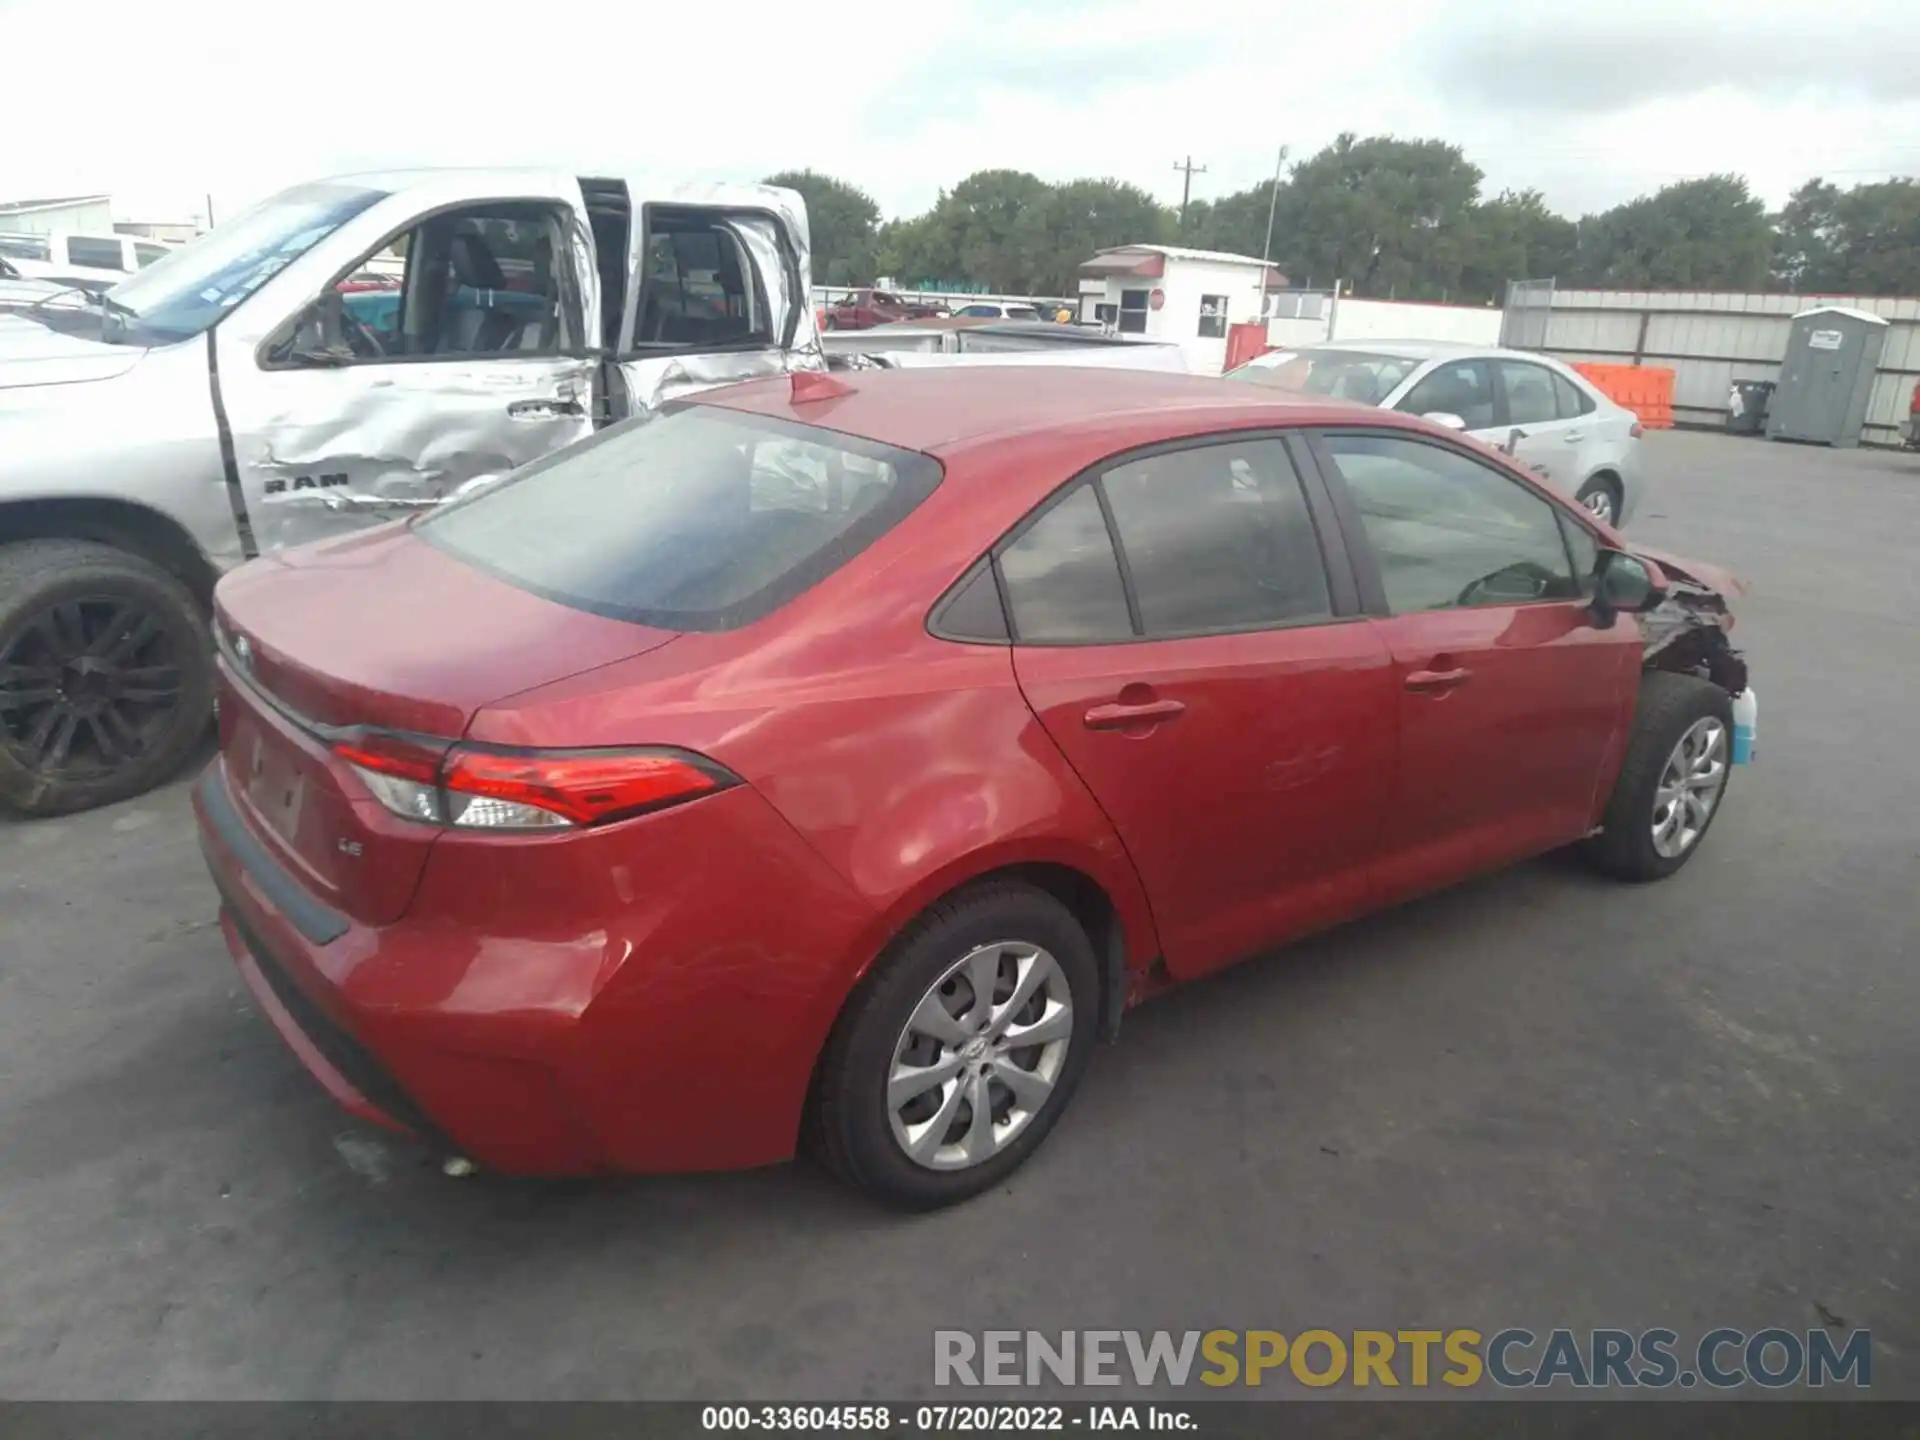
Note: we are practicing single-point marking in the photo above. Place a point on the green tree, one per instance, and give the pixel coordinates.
(1877, 248)
(1390, 217)
(1083, 216)
(1806, 238)
(842, 220)
(1515, 237)
(1706, 234)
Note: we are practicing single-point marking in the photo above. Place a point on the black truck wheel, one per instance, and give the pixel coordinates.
(106, 675)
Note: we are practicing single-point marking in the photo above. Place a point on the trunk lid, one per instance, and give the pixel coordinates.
(376, 629)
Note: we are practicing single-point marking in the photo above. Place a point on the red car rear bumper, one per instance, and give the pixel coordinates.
(672, 1026)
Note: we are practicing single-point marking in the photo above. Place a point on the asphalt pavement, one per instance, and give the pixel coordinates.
(1542, 1099)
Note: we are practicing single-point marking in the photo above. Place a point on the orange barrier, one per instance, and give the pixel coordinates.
(1244, 341)
(1647, 390)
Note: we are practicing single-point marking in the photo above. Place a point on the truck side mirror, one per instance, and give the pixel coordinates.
(317, 341)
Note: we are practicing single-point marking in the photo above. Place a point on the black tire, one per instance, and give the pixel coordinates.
(1601, 485)
(851, 1127)
(1669, 705)
(45, 580)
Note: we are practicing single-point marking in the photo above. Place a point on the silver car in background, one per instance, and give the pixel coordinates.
(1549, 418)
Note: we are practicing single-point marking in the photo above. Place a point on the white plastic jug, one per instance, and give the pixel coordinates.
(1746, 725)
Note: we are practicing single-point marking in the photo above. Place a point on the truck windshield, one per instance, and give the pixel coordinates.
(190, 290)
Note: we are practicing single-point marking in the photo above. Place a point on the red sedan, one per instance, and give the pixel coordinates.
(842, 756)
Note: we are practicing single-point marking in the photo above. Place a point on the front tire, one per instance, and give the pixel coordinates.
(106, 676)
(1673, 782)
(959, 1052)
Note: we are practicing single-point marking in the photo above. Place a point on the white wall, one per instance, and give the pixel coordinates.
(93, 219)
(1178, 319)
(1391, 320)
(1711, 338)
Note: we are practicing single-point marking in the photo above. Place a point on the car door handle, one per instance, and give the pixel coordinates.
(1429, 681)
(1145, 712)
(1574, 437)
(541, 409)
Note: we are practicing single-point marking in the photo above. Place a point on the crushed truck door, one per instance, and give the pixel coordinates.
(347, 401)
(717, 292)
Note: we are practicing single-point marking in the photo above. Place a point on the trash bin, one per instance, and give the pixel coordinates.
(1747, 406)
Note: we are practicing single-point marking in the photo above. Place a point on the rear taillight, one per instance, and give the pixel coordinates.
(481, 788)
(1637, 431)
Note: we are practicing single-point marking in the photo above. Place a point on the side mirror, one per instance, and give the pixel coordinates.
(317, 341)
(1626, 585)
(1446, 418)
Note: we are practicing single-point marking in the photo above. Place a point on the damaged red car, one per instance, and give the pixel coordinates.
(833, 760)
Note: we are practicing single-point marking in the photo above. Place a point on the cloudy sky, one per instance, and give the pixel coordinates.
(161, 102)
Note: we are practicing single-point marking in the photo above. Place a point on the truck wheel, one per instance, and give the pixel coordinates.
(106, 675)
(1672, 782)
(957, 1055)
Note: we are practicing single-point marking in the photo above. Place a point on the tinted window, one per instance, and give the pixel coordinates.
(1449, 531)
(25, 247)
(699, 520)
(1584, 547)
(1571, 401)
(1529, 393)
(145, 254)
(991, 311)
(1217, 537)
(1459, 387)
(1063, 582)
(96, 254)
(974, 612)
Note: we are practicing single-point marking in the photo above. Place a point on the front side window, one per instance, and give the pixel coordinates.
(475, 283)
(188, 292)
(1217, 538)
(26, 247)
(145, 254)
(1449, 531)
(1459, 387)
(985, 312)
(699, 519)
(1063, 578)
(1530, 399)
(1213, 317)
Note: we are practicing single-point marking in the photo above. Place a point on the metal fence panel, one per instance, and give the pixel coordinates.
(1523, 324)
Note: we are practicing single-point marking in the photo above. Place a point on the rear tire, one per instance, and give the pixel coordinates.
(1666, 797)
(1018, 936)
(106, 676)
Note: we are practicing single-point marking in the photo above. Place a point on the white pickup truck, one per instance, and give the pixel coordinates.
(337, 355)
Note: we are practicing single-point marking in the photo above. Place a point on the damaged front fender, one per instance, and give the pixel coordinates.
(1687, 631)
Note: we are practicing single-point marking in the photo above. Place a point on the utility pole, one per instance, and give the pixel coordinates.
(1266, 250)
(1188, 170)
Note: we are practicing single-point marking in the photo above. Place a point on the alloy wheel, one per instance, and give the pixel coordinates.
(1691, 784)
(980, 1055)
(87, 686)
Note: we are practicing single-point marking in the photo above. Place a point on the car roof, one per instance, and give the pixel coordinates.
(1067, 410)
(1421, 349)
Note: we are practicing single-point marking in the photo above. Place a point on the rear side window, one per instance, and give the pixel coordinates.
(99, 254)
(1218, 537)
(1573, 402)
(25, 247)
(1063, 579)
(699, 519)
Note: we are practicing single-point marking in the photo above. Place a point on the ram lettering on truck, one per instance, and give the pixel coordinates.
(257, 389)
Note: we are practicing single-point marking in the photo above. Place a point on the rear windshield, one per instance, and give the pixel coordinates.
(697, 519)
(1341, 374)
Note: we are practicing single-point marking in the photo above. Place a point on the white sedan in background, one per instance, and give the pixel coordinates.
(1539, 411)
